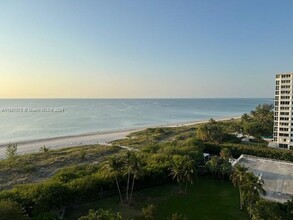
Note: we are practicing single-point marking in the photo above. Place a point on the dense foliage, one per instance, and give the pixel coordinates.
(259, 122)
(83, 183)
(211, 132)
(164, 154)
(101, 214)
(11, 210)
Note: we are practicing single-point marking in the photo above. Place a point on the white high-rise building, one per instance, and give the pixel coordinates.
(283, 119)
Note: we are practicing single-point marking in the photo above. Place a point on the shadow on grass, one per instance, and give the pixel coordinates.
(206, 199)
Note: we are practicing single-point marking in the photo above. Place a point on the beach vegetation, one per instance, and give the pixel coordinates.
(259, 122)
(44, 149)
(156, 157)
(113, 166)
(35, 167)
(11, 151)
(210, 132)
(10, 210)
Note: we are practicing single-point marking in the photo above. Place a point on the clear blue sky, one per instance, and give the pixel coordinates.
(150, 48)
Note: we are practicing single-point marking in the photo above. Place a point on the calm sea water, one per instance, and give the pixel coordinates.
(27, 119)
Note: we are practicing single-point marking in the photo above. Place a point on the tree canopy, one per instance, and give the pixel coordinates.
(259, 122)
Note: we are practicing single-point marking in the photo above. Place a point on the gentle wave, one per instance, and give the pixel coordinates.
(97, 115)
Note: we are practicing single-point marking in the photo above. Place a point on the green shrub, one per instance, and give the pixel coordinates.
(10, 210)
(236, 150)
(11, 151)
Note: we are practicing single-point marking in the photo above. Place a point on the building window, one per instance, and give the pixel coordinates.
(286, 81)
(283, 135)
(284, 119)
(286, 76)
(285, 92)
(283, 145)
(284, 129)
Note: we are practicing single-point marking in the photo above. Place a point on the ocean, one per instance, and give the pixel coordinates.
(29, 119)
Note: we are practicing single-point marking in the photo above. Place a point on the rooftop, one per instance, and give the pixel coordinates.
(276, 174)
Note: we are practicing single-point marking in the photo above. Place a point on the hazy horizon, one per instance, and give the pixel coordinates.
(143, 49)
(148, 98)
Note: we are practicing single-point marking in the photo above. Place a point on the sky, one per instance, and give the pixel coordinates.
(144, 48)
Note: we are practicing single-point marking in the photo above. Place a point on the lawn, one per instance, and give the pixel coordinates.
(206, 199)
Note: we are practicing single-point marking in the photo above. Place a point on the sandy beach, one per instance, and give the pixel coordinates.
(104, 138)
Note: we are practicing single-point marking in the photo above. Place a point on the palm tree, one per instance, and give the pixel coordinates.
(176, 170)
(135, 168)
(212, 165)
(225, 154)
(113, 166)
(188, 171)
(182, 170)
(238, 178)
(225, 168)
(128, 156)
(252, 187)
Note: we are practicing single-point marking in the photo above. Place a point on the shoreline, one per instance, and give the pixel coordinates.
(90, 138)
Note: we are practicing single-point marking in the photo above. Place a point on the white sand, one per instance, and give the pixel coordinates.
(85, 139)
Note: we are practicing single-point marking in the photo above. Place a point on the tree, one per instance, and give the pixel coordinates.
(254, 129)
(219, 167)
(113, 166)
(11, 210)
(225, 168)
(210, 131)
(176, 171)
(212, 165)
(11, 151)
(266, 210)
(189, 172)
(252, 187)
(135, 169)
(289, 208)
(259, 122)
(128, 167)
(183, 170)
(101, 214)
(225, 154)
(238, 178)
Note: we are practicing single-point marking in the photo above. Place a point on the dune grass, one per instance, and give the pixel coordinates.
(206, 199)
(35, 167)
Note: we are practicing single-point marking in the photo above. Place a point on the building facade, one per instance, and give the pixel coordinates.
(283, 119)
